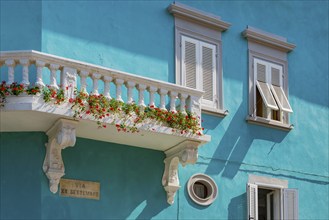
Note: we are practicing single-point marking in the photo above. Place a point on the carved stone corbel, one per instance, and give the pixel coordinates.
(60, 135)
(184, 153)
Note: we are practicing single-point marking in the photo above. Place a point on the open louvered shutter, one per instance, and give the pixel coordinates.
(252, 201)
(277, 88)
(290, 204)
(189, 62)
(208, 73)
(261, 70)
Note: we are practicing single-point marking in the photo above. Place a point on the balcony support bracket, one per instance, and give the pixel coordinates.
(60, 135)
(183, 153)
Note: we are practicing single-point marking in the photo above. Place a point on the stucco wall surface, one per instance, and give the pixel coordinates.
(138, 37)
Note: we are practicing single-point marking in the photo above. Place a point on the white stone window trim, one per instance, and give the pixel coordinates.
(286, 198)
(204, 27)
(270, 48)
(211, 188)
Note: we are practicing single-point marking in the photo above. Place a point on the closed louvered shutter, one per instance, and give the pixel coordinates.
(208, 65)
(290, 204)
(260, 71)
(252, 202)
(276, 75)
(199, 69)
(189, 62)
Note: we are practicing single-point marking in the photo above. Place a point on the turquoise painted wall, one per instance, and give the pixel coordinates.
(20, 25)
(138, 37)
(129, 177)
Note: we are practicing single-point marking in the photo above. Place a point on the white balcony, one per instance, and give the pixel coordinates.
(31, 113)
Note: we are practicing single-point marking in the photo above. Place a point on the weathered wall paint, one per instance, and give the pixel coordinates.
(138, 37)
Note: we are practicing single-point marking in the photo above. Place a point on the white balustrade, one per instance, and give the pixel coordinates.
(95, 77)
(83, 75)
(118, 83)
(141, 88)
(25, 78)
(70, 70)
(40, 65)
(173, 96)
(11, 65)
(163, 94)
(107, 81)
(130, 86)
(183, 98)
(152, 91)
(53, 82)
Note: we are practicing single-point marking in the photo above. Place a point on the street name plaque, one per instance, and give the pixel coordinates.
(79, 189)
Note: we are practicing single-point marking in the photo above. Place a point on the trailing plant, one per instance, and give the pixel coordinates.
(127, 117)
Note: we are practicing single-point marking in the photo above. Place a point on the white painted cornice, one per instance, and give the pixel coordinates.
(267, 39)
(189, 13)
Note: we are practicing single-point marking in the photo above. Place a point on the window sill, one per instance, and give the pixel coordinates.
(214, 111)
(269, 123)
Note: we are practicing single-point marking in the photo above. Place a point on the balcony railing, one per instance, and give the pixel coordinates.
(31, 113)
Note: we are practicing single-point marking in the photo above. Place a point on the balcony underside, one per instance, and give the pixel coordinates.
(30, 113)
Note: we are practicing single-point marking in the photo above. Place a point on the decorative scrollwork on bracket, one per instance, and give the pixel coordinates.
(184, 153)
(60, 135)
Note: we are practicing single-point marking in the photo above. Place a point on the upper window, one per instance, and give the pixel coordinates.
(268, 79)
(270, 198)
(198, 54)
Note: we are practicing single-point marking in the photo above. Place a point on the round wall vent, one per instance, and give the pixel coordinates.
(202, 189)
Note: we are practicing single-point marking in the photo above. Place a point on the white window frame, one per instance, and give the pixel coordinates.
(199, 77)
(203, 27)
(285, 199)
(272, 49)
(274, 103)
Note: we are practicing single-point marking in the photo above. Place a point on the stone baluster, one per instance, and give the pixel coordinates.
(141, 88)
(11, 70)
(95, 77)
(53, 82)
(118, 83)
(152, 91)
(39, 64)
(107, 80)
(173, 96)
(183, 98)
(25, 76)
(83, 76)
(163, 94)
(130, 85)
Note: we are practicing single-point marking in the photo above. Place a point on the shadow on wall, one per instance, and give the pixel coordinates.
(236, 142)
(237, 207)
(114, 34)
(130, 181)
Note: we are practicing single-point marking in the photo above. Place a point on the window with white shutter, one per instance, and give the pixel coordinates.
(198, 54)
(268, 198)
(290, 204)
(252, 200)
(268, 79)
(199, 69)
(269, 97)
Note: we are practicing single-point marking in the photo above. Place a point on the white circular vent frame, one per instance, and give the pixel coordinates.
(211, 188)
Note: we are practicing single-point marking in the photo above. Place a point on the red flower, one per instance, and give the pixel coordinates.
(88, 112)
(71, 100)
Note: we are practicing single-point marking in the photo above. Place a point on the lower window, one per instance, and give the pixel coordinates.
(268, 202)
